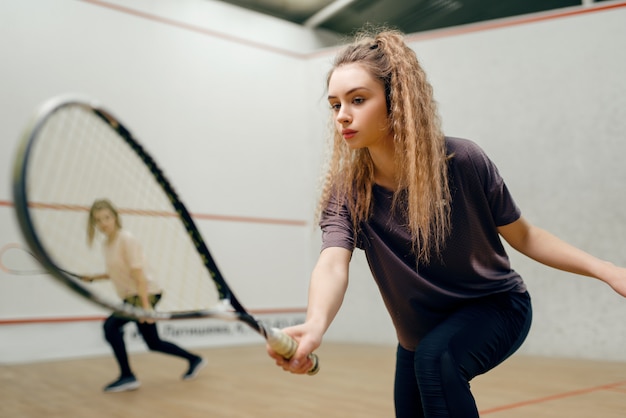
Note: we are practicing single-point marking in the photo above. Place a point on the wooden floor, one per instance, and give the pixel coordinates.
(355, 381)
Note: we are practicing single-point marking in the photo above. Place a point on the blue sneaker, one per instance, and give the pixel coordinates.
(194, 368)
(123, 384)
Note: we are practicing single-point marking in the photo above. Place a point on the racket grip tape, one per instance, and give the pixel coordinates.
(286, 346)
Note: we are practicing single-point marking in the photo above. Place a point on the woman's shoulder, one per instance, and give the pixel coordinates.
(470, 161)
(126, 236)
(461, 150)
(468, 157)
(462, 146)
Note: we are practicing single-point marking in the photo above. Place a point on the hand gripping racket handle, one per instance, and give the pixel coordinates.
(286, 346)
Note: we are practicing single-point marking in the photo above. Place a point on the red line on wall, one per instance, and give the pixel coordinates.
(437, 33)
(67, 320)
(211, 217)
(28, 321)
(515, 21)
(193, 28)
(227, 218)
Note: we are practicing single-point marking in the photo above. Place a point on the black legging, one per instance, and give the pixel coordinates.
(114, 334)
(434, 380)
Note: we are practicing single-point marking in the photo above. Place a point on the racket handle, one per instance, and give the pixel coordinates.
(286, 346)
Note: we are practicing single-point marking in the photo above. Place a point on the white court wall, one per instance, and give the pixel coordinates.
(234, 110)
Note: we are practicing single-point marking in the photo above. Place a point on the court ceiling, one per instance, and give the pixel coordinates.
(410, 16)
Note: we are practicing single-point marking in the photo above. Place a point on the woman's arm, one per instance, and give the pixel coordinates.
(142, 287)
(542, 246)
(90, 279)
(142, 290)
(328, 284)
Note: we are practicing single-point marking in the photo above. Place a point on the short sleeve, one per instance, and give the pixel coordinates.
(336, 226)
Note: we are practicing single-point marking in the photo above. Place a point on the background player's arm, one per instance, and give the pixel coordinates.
(103, 276)
(141, 283)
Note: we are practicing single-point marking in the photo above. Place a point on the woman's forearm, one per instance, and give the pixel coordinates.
(142, 288)
(329, 281)
(546, 248)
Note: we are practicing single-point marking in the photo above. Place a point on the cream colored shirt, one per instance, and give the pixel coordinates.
(121, 256)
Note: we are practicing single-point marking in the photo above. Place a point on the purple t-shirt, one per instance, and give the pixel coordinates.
(473, 263)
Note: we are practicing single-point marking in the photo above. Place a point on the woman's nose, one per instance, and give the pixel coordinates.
(343, 116)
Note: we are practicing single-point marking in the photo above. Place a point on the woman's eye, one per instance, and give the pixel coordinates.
(358, 100)
(335, 106)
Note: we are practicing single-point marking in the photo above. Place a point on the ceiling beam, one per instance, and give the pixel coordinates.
(326, 13)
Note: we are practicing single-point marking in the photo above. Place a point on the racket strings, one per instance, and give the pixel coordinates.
(78, 158)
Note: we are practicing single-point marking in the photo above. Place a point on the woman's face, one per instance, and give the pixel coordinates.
(105, 221)
(359, 104)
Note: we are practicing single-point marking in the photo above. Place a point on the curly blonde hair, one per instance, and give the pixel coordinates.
(419, 144)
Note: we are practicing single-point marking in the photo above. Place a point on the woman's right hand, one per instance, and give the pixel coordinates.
(308, 341)
(329, 281)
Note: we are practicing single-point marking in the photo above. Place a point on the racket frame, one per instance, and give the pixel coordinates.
(229, 307)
